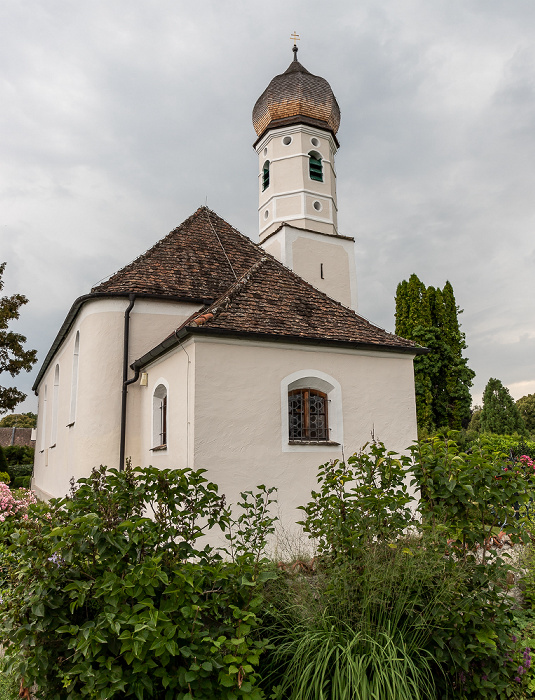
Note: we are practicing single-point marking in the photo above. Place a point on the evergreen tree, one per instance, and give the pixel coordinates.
(526, 406)
(500, 413)
(443, 379)
(13, 357)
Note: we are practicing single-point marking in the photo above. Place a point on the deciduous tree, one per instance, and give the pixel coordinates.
(500, 413)
(526, 406)
(13, 357)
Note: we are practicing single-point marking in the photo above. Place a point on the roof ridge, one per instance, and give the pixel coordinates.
(225, 300)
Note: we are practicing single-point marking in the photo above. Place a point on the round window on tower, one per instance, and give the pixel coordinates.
(317, 206)
(315, 142)
(287, 140)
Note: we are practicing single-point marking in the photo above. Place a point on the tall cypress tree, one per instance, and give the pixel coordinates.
(443, 379)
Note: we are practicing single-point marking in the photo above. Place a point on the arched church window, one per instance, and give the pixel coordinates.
(55, 408)
(159, 416)
(265, 176)
(315, 166)
(74, 381)
(307, 415)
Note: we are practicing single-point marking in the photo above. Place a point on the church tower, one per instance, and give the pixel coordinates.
(296, 120)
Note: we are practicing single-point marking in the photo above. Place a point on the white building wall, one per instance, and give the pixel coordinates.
(93, 438)
(238, 412)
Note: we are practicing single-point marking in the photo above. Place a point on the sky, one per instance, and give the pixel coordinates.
(119, 118)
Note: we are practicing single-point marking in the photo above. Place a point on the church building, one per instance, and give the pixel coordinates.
(210, 351)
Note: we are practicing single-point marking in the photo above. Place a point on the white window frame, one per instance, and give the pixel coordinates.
(55, 408)
(74, 381)
(157, 414)
(313, 379)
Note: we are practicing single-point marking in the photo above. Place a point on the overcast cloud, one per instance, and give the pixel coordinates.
(119, 118)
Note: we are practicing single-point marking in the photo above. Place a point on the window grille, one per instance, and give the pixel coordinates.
(307, 415)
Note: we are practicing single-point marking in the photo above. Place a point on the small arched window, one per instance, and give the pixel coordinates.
(315, 166)
(307, 415)
(265, 176)
(159, 416)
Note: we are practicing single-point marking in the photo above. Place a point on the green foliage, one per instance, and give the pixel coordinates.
(20, 454)
(526, 408)
(475, 420)
(19, 420)
(9, 688)
(21, 482)
(464, 496)
(443, 379)
(5, 478)
(466, 640)
(359, 502)
(500, 414)
(13, 357)
(360, 628)
(104, 601)
(3, 460)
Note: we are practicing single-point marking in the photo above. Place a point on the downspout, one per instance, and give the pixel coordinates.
(126, 381)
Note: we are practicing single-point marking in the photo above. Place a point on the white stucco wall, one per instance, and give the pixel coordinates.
(238, 412)
(93, 438)
(312, 254)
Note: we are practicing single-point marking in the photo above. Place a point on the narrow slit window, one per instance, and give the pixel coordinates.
(315, 166)
(307, 416)
(265, 176)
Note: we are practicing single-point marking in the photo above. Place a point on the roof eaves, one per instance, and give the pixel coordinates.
(77, 305)
(186, 331)
(297, 119)
(306, 230)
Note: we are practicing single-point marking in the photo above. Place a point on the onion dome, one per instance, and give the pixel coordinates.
(296, 97)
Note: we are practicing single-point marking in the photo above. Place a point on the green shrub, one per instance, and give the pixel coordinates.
(460, 638)
(106, 602)
(3, 459)
(15, 470)
(19, 454)
(358, 502)
(22, 482)
(5, 478)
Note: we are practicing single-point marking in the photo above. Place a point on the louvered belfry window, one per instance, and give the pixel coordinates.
(315, 168)
(265, 176)
(307, 415)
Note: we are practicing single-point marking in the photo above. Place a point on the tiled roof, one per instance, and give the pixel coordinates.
(200, 259)
(16, 436)
(296, 96)
(270, 299)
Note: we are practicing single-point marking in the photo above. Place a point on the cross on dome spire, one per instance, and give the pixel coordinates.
(295, 37)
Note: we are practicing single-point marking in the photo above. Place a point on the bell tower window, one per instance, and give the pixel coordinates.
(265, 176)
(315, 166)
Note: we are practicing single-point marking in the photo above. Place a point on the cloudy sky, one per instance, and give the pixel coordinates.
(118, 118)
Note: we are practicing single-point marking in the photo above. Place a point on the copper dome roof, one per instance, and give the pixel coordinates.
(296, 97)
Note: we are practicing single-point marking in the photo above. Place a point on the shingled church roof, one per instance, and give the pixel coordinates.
(244, 291)
(200, 259)
(271, 302)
